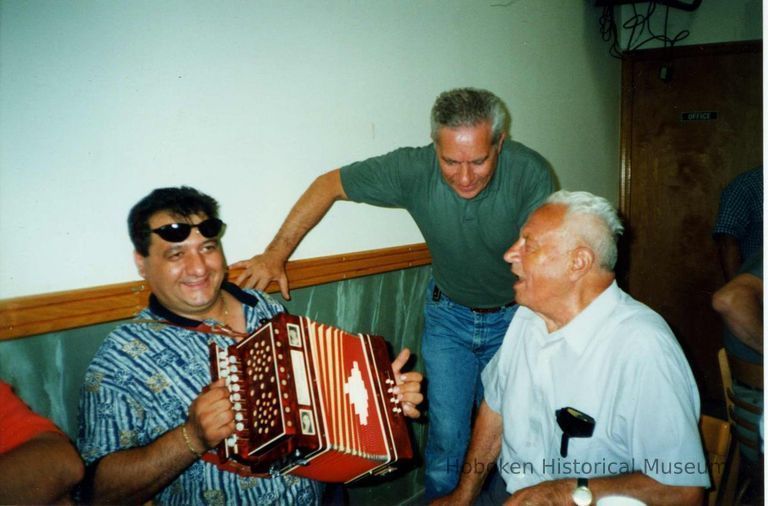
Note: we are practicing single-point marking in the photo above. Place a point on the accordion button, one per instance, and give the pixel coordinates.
(235, 387)
(240, 426)
(237, 406)
(239, 417)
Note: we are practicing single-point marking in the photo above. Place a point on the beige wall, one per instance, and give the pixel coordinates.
(249, 101)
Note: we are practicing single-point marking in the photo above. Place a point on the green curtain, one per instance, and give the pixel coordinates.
(47, 370)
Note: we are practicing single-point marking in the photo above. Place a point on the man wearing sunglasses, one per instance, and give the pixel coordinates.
(590, 395)
(148, 411)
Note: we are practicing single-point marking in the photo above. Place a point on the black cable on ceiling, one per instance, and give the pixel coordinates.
(637, 25)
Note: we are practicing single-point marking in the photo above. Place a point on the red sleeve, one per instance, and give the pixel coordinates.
(18, 424)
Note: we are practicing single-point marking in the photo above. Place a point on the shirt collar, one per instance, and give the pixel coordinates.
(163, 312)
(580, 331)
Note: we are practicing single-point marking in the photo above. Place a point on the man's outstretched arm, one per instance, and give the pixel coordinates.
(740, 303)
(636, 485)
(269, 266)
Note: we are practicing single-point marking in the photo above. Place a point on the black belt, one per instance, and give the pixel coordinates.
(436, 294)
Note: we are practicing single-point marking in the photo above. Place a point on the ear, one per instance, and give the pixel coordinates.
(501, 141)
(138, 259)
(582, 260)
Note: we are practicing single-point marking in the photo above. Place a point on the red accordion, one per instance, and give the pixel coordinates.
(310, 400)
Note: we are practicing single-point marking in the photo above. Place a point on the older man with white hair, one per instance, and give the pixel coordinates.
(589, 395)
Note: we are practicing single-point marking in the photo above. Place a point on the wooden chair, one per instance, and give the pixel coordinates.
(747, 453)
(716, 435)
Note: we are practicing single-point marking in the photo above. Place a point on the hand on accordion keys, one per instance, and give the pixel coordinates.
(210, 418)
(408, 389)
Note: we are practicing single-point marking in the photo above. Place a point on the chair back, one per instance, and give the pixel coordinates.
(743, 389)
(716, 435)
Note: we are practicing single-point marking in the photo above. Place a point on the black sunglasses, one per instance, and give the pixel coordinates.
(177, 232)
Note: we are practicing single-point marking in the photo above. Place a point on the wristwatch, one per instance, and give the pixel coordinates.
(581, 495)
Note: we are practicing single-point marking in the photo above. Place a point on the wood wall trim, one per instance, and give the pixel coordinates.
(51, 312)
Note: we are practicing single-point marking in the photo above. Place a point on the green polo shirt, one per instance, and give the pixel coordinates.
(466, 238)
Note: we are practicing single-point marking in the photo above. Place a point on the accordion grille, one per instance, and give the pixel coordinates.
(351, 416)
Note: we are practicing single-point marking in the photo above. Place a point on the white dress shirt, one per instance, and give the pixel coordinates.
(618, 362)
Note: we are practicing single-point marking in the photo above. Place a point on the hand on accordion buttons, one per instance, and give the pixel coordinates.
(408, 389)
(260, 271)
(211, 418)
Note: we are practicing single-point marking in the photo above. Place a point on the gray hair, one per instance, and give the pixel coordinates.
(469, 107)
(602, 239)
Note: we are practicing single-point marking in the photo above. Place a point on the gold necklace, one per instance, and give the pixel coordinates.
(224, 303)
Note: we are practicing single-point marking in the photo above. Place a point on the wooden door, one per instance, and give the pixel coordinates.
(691, 121)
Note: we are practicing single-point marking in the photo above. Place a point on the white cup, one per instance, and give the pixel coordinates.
(619, 500)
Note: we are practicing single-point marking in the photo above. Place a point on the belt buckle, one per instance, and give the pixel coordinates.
(485, 310)
(491, 309)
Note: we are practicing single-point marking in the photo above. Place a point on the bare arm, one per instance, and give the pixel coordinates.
(740, 303)
(305, 214)
(41, 471)
(138, 474)
(729, 254)
(484, 449)
(637, 485)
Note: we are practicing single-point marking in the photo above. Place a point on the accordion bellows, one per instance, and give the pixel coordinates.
(310, 400)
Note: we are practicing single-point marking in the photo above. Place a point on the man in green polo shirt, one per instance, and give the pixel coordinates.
(469, 192)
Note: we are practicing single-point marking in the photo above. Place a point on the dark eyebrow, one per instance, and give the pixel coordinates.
(172, 250)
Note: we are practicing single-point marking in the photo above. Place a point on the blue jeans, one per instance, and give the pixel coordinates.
(456, 346)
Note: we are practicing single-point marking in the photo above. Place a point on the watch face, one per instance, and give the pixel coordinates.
(582, 496)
